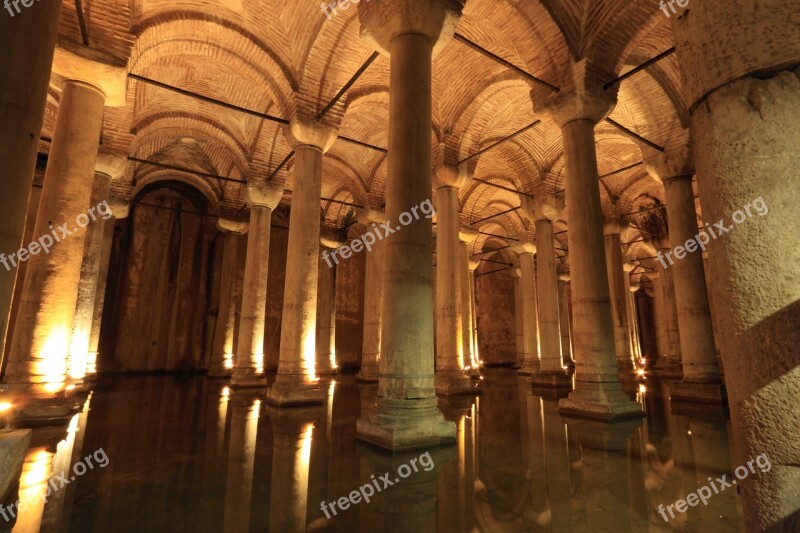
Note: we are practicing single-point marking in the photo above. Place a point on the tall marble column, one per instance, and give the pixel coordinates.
(248, 361)
(119, 210)
(701, 375)
(598, 392)
(612, 228)
(530, 310)
(38, 361)
(630, 290)
(467, 286)
(668, 317)
(744, 101)
(297, 382)
(406, 414)
(107, 168)
(543, 210)
(563, 316)
(27, 60)
(373, 301)
(221, 361)
(519, 320)
(450, 363)
(326, 313)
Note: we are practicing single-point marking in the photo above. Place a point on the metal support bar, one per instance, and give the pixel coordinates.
(501, 141)
(634, 135)
(495, 215)
(349, 84)
(641, 67)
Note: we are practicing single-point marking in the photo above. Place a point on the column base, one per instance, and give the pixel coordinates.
(529, 368)
(406, 424)
(602, 401)
(688, 391)
(14, 445)
(457, 383)
(327, 373)
(669, 367)
(39, 412)
(286, 393)
(552, 380)
(246, 378)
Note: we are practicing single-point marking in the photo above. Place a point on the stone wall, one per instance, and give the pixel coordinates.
(494, 296)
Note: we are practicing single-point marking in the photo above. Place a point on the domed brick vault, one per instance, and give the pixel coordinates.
(219, 120)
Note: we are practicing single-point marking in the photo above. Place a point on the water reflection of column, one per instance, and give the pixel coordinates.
(605, 474)
(410, 504)
(245, 409)
(556, 454)
(68, 452)
(292, 430)
(536, 510)
(216, 415)
(36, 470)
(456, 492)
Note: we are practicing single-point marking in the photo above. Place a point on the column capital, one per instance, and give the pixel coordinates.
(120, 208)
(473, 264)
(524, 248)
(467, 235)
(264, 193)
(585, 100)
(112, 165)
(673, 163)
(302, 131)
(628, 267)
(613, 226)
(227, 225)
(110, 80)
(383, 20)
(516, 272)
(563, 272)
(331, 238)
(542, 207)
(455, 176)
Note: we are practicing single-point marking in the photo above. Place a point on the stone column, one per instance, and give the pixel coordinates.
(28, 43)
(248, 361)
(245, 408)
(473, 305)
(467, 283)
(543, 210)
(119, 210)
(221, 362)
(373, 301)
(39, 354)
(519, 321)
(406, 414)
(107, 168)
(530, 311)
(297, 382)
(598, 392)
(612, 228)
(326, 313)
(696, 333)
(630, 291)
(563, 316)
(745, 110)
(668, 316)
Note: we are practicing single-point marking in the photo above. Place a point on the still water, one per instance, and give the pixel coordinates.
(188, 454)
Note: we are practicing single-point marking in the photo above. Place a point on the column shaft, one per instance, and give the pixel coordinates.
(248, 363)
(449, 338)
(296, 381)
(326, 319)
(50, 291)
(373, 302)
(563, 314)
(26, 65)
(696, 332)
(530, 316)
(619, 301)
(100, 294)
(597, 391)
(519, 321)
(87, 287)
(547, 288)
(222, 349)
(669, 316)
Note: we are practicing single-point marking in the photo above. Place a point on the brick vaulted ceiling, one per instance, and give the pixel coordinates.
(280, 58)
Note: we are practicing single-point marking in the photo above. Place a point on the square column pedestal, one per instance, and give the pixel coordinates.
(599, 401)
(13, 447)
(455, 383)
(692, 392)
(552, 380)
(291, 393)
